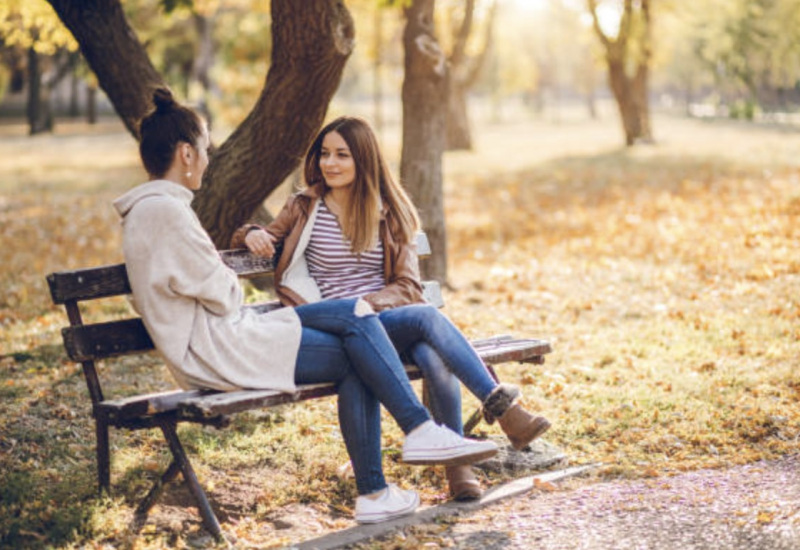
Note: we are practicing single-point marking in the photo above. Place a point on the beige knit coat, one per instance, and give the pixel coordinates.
(191, 302)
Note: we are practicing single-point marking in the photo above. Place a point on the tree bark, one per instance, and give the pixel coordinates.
(33, 104)
(377, 68)
(39, 109)
(114, 54)
(204, 61)
(424, 121)
(311, 43)
(458, 135)
(463, 73)
(630, 91)
(91, 104)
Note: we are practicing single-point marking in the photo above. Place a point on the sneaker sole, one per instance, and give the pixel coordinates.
(386, 516)
(458, 460)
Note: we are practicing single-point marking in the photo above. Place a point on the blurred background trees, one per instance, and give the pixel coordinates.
(268, 73)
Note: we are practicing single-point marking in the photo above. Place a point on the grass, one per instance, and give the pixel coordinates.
(665, 276)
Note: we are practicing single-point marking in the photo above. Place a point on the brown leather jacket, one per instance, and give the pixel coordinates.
(401, 268)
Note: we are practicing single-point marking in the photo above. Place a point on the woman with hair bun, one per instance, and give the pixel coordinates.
(191, 304)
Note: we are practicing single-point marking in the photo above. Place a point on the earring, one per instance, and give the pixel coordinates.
(188, 175)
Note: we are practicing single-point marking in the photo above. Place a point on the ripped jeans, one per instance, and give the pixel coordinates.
(351, 348)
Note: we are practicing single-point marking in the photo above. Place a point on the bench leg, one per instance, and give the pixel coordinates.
(477, 415)
(103, 455)
(181, 462)
(473, 420)
(158, 487)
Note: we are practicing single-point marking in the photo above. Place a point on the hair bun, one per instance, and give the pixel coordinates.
(163, 99)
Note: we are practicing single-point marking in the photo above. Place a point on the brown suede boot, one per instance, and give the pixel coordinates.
(522, 427)
(462, 483)
(519, 425)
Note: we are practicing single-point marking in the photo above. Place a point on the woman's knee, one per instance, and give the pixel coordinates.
(363, 308)
(427, 315)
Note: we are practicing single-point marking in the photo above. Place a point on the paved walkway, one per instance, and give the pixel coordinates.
(753, 507)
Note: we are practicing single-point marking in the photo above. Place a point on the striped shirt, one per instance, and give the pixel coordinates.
(339, 272)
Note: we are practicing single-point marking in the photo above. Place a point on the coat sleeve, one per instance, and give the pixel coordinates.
(403, 286)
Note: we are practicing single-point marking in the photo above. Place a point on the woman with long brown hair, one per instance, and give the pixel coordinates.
(351, 233)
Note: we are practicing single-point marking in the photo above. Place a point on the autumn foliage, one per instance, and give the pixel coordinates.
(666, 278)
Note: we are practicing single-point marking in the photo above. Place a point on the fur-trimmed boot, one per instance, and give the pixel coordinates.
(519, 425)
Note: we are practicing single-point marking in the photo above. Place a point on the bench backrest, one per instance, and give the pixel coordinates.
(87, 343)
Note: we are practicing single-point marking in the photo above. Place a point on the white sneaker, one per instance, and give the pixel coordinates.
(430, 443)
(393, 503)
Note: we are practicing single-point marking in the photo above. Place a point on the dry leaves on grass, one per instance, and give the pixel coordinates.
(666, 284)
(659, 293)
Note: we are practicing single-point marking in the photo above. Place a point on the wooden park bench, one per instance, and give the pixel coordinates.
(91, 343)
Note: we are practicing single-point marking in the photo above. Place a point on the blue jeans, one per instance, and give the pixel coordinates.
(355, 353)
(424, 336)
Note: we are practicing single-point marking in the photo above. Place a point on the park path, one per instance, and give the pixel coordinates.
(750, 507)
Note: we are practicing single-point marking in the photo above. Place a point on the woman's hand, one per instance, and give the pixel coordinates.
(260, 242)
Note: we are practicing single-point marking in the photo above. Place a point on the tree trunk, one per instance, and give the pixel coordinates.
(39, 114)
(642, 103)
(377, 68)
(630, 92)
(459, 136)
(641, 80)
(204, 61)
(424, 119)
(623, 94)
(114, 54)
(311, 43)
(91, 104)
(74, 83)
(463, 72)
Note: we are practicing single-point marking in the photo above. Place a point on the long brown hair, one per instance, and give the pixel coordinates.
(373, 186)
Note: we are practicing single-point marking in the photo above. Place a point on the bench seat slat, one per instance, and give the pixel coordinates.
(226, 403)
(512, 349)
(149, 404)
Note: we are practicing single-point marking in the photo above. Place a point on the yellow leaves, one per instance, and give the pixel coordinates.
(761, 273)
(765, 517)
(554, 389)
(707, 367)
(545, 486)
(33, 24)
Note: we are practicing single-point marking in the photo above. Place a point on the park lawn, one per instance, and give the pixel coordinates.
(665, 276)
